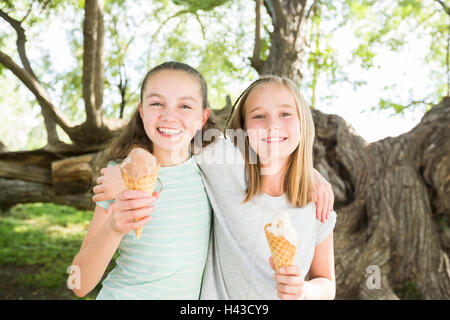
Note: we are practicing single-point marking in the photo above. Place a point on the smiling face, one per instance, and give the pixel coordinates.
(172, 112)
(272, 122)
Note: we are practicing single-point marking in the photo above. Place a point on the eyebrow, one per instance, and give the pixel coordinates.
(254, 109)
(287, 106)
(150, 95)
(281, 105)
(187, 98)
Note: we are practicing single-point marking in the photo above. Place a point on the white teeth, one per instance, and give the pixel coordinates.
(275, 139)
(169, 131)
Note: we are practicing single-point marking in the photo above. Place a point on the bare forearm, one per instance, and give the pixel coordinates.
(93, 259)
(320, 289)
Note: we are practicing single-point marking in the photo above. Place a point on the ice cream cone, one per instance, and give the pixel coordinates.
(145, 183)
(283, 252)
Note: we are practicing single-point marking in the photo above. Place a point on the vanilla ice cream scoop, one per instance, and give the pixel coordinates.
(281, 226)
(138, 163)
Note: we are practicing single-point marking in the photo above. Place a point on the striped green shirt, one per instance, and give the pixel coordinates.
(167, 262)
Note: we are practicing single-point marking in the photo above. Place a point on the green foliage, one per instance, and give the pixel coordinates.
(321, 56)
(195, 5)
(63, 86)
(217, 37)
(390, 24)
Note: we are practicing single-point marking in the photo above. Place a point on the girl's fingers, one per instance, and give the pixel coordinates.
(140, 223)
(99, 197)
(98, 188)
(319, 204)
(314, 198)
(134, 204)
(330, 204)
(289, 280)
(286, 296)
(283, 288)
(290, 271)
(325, 206)
(272, 265)
(132, 194)
(99, 180)
(138, 214)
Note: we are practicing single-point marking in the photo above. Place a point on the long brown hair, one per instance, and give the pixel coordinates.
(134, 133)
(298, 181)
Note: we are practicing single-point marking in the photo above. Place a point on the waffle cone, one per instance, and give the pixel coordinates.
(283, 252)
(145, 183)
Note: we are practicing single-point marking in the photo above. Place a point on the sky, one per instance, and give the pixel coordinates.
(405, 69)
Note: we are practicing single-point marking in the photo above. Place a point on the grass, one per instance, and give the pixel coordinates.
(37, 244)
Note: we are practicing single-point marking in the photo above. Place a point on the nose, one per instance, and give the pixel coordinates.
(274, 125)
(168, 114)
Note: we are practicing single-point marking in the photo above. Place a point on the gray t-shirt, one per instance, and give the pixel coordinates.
(237, 266)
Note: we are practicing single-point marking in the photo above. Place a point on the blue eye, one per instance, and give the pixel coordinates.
(285, 114)
(185, 106)
(258, 116)
(156, 104)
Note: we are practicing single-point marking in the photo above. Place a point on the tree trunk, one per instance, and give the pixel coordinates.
(287, 38)
(44, 176)
(393, 207)
(392, 196)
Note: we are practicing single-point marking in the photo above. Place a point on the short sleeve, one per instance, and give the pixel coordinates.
(106, 203)
(324, 229)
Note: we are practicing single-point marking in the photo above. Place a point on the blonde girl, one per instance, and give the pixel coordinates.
(276, 153)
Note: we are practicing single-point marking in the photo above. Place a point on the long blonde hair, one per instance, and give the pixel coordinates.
(298, 179)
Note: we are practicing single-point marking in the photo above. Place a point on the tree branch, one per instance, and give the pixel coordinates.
(201, 25)
(446, 8)
(21, 39)
(311, 9)
(28, 13)
(89, 62)
(256, 61)
(123, 84)
(179, 13)
(270, 9)
(39, 92)
(447, 61)
(3, 147)
(50, 126)
(301, 22)
(99, 60)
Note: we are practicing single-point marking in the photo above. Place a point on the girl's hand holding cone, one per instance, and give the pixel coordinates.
(109, 184)
(290, 285)
(131, 205)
